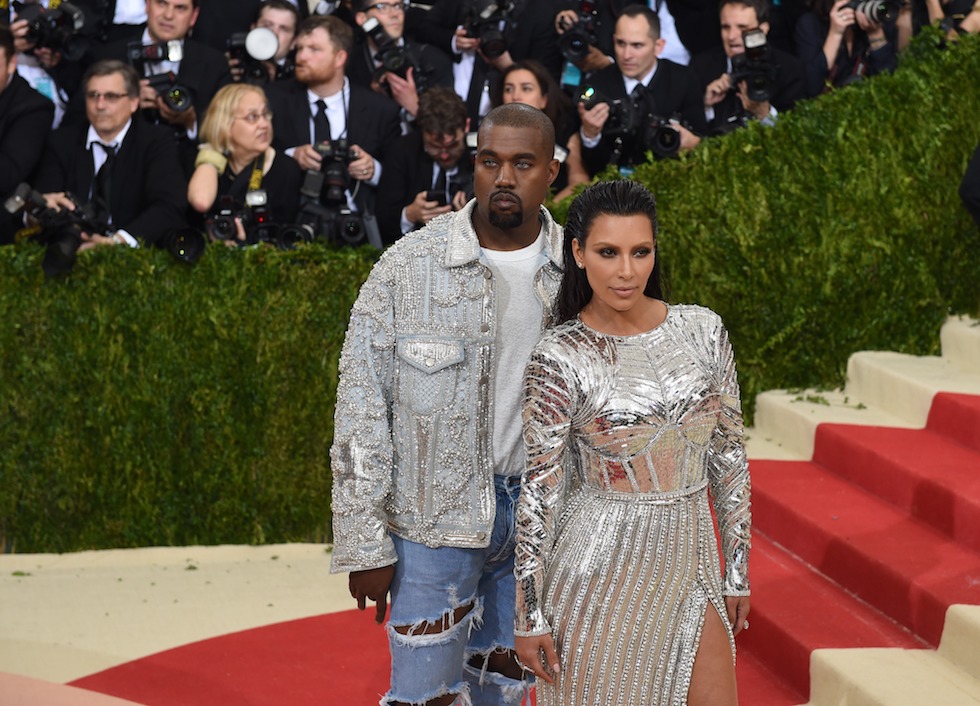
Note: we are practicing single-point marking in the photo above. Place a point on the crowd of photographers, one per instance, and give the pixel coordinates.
(179, 122)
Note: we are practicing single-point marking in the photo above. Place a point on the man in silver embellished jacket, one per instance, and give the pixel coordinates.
(427, 455)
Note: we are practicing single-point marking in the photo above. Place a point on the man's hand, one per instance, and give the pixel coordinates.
(688, 139)
(185, 119)
(307, 157)
(464, 42)
(717, 90)
(362, 166)
(148, 95)
(59, 201)
(757, 109)
(538, 654)
(94, 240)
(372, 584)
(422, 210)
(403, 90)
(459, 200)
(48, 58)
(593, 119)
(21, 43)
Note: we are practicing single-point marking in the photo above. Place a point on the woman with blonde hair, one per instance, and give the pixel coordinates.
(236, 165)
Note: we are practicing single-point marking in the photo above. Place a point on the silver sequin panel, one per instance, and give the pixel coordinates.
(616, 551)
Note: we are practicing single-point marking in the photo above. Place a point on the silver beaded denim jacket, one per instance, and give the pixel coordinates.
(412, 451)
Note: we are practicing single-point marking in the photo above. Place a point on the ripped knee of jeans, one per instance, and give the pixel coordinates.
(499, 660)
(492, 686)
(468, 616)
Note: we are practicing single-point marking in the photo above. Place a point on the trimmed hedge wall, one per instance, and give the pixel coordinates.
(143, 402)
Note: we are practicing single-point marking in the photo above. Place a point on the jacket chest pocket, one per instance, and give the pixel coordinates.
(429, 372)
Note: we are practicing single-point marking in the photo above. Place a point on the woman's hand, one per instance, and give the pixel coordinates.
(537, 654)
(738, 611)
(841, 17)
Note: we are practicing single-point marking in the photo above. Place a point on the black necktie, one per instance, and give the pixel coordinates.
(321, 126)
(102, 188)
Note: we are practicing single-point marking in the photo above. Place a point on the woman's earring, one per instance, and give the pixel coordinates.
(581, 266)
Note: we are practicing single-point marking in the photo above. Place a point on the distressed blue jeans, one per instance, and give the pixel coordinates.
(430, 584)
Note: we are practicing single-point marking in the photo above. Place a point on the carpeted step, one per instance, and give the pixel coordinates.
(758, 683)
(958, 417)
(899, 565)
(920, 472)
(795, 610)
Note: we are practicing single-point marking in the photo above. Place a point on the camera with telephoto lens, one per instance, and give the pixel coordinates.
(661, 137)
(754, 66)
(60, 228)
(625, 115)
(175, 95)
(324, 197)
(877, 11)
(393, 57)
(482, 20)
(629, 118)
(256, 223)
(578, 36)
(252, 50)
(54, 28)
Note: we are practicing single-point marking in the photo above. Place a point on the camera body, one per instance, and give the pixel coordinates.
(60, 229)
(877, 11)
(256, 222)
(252, 50)
(482, 21)
(629, 118)
(176, 96)
(393, 57)
(575, 41)
(56, 29)
(754, 66)
(325, 212)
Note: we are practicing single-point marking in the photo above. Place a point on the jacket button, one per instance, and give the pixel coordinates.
(487, 274)
(481, 535)
(484, 327)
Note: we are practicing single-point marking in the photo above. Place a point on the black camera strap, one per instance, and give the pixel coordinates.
(246, 180)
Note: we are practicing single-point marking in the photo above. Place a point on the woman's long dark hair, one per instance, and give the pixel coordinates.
(558, 107)
(607, 198)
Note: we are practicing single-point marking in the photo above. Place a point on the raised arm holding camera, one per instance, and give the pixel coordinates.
(264, 53)
(746, 78)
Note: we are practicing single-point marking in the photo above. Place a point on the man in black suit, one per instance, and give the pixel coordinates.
(199, 68)
(321, 105)
(25, 121)
(424, 65)
(645, 87)
(125, 167)
(432, 160)
(728, 106)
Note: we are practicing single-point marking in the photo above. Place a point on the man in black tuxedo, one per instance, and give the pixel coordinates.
(432, 160)
(200, 68)
(125, 167)
(425, 65)
(646, 87)
(728, 106)
(25, 121)
(321, 105)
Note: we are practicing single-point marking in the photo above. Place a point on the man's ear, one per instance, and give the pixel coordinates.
(764, 26)
(659, 45)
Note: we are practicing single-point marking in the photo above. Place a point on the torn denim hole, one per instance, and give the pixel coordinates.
(495, 688)
(462, 691)
(473, 619)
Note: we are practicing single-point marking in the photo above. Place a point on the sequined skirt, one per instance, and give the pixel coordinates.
(631, 577)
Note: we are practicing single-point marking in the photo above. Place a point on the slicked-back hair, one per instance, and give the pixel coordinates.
(441, 111)
(107, 67)
(519, 115)
(653, 20)
(339, 31)
(761, 8)
(622, 197)
(283, 5)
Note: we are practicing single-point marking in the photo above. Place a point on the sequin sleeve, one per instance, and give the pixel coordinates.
(728, 472)
(361, 459)
(547, 414)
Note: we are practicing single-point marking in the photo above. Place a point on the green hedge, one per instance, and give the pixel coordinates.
(144, 402)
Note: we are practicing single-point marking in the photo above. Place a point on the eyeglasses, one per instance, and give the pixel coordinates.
(387, 7)
(252, 118)
(110, 97)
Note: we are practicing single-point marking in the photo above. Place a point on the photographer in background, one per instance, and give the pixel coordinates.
(198, 71)
(237, 161)
(25, 121)
(281, 18)
(321, 108)
(386, 61)
(772, 79)
(839, 44)
(633, 97)
(429, 171)
(126, 168)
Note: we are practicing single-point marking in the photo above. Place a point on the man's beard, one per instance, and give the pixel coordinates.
(506, 220)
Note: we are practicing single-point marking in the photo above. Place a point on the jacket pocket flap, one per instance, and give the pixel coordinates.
(430, 354)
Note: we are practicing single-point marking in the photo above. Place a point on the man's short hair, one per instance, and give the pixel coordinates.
(340, 33)
(761, 7)
(107, 67)
(653, 20)
(441, 111)
(520, 115)
(364, 5)
(6, 42)
(284, 5)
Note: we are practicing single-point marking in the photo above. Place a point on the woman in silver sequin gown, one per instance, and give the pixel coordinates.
(633, 425)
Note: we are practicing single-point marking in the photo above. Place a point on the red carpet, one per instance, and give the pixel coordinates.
(865, 546)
